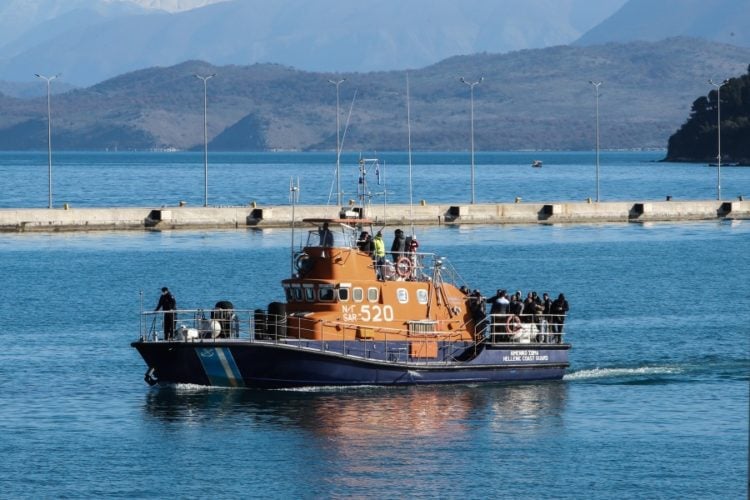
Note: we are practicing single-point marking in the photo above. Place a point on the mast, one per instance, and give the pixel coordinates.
(408, 130)
(293, 199)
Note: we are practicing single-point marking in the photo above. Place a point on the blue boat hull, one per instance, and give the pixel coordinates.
(271, 365)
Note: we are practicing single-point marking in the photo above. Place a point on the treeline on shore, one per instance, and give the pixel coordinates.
(698, 138)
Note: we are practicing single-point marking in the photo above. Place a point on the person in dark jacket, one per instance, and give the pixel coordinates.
(516, 306)
(325, 235)
(546, 312)
(398, 248)
(499, 306)
(559, 309)
(529, 309)
(365, 244)
(168, 304)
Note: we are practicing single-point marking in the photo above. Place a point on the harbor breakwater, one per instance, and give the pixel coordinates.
(255, 216)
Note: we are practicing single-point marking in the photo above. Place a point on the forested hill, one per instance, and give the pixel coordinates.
(531, 99)
(697, 139)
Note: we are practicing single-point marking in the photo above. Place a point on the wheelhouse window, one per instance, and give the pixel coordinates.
(422, 296)
(288, 293)
(297, 291)
(309, 293)
(372, 294)
(344, 294)
(358, 294)
(326, 293)
(402, 294)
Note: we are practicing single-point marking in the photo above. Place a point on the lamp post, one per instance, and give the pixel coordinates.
(205, 80)
(471, 86)
(596, 86)
(337, 83)
(718, 135)
(48, 79)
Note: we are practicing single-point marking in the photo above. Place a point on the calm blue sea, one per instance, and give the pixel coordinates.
(655, 404)
(156, 179)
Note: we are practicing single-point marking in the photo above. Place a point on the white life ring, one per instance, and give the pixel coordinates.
(513, 323)
(403, 267)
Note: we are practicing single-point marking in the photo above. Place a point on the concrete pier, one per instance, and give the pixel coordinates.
(183, 217)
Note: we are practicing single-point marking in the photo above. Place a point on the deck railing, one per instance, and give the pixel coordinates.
(221, 325)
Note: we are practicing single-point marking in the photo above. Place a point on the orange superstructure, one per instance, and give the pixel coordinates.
(336, 294)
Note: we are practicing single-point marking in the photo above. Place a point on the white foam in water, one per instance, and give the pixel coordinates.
(621, 372)
(199, 388)
(331, 388)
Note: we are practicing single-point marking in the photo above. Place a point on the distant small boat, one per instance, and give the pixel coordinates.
(536, 164)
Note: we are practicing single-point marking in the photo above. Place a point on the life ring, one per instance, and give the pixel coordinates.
(513, 323)
(403, 267)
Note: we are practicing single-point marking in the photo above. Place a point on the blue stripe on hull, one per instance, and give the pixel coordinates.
(220, 367)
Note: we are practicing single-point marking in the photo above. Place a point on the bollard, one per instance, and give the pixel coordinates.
(65, 206)
(253, 204)
(588, 200)
(518, 199)
(669, 198)
(423, 203)
(182, 203)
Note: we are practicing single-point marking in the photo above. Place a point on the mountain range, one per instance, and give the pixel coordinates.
(529, 99)
(91, 40)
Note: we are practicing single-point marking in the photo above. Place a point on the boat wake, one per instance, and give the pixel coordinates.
(647, 372)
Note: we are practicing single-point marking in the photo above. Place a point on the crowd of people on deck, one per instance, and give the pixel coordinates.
(509, 312)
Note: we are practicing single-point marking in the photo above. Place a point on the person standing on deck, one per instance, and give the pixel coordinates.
(326, 236)
(364, 243)
(168, 304)
(499, 311)
(379, 255)
(398, 248)
(559, 310)
(546, 311)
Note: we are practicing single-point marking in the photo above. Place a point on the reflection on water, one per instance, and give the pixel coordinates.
(367, 413)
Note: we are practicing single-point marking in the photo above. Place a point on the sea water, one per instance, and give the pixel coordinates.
(654, 405)
(237, 179)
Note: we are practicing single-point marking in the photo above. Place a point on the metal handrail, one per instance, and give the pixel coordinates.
(196, 325)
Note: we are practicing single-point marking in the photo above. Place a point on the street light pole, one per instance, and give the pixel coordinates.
(338, 141)
(48, 79)
(596, 86)
(205, 80)
(718, 133)
(471, 86)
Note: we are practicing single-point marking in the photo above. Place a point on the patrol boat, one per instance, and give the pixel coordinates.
(349, 319)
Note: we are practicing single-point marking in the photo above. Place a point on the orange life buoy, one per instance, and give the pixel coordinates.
(403, 267)
(513, 323)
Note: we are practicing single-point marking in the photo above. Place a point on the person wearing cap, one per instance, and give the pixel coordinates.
(168, 304)
(379, 255)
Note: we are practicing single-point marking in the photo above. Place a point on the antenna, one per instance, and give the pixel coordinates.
(408, 129)
(340, 148)
(293, 199)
